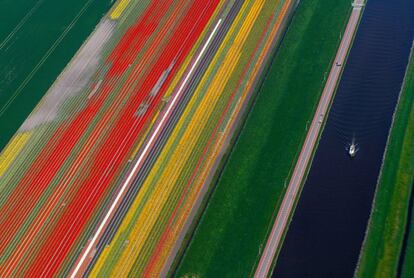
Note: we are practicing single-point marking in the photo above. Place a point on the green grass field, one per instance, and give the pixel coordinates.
(37, 39)
(233, 229)
(407, 266)
(380, 255)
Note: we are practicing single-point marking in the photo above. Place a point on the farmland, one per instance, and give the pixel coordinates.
(25, 28)
(147, 238)
(82, 133)
(107, 171)
(383, 252)
(407, 258)
(233, 229)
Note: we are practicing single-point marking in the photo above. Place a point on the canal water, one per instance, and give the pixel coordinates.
(328, 227)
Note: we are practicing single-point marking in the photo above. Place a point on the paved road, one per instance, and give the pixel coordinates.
(282, 219)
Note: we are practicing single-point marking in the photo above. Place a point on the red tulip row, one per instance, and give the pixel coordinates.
(73, 173)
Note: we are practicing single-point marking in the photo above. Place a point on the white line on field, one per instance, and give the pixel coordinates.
(143, 154)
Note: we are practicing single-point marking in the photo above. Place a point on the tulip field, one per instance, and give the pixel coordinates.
(106, 174)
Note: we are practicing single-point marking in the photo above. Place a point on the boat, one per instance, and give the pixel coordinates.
(352, 150)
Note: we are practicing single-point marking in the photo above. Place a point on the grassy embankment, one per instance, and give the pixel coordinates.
(37, 40)
(234, 227)
(382, 247)
(407, 268)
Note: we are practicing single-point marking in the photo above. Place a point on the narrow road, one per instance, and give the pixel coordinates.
(275, 238)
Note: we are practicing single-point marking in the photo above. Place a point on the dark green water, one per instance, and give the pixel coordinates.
(37, 39)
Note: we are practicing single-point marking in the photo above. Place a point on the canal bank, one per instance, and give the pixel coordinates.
(252, 181)
(328, 227)
(388, 229)
(303, 162)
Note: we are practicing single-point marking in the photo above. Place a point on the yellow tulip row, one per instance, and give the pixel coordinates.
(12, 150)
(119, 9)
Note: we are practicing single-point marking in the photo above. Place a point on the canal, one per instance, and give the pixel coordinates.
(328, 227)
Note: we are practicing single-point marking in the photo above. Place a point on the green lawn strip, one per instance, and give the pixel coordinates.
(234, 227)
(408, 266)
(14, 14)
(36, 37)
(380, 254)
